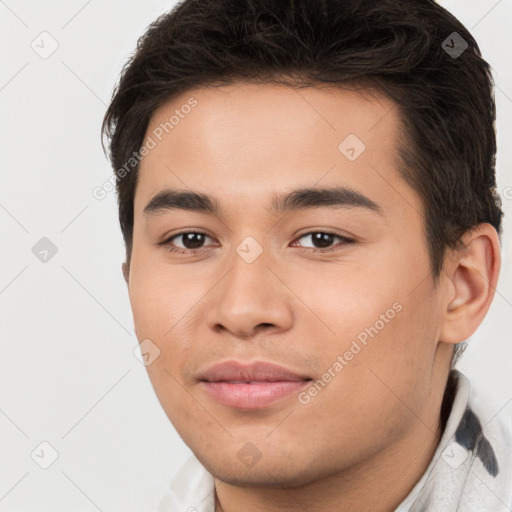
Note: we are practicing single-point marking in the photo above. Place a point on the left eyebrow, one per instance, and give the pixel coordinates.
(319, 197)
(304, 198)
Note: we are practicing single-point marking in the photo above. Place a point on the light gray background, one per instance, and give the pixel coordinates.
(68, 373)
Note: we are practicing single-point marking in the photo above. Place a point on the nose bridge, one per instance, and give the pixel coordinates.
(247, 284)
(249, 294)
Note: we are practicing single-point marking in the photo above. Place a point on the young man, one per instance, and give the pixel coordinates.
(307, 196)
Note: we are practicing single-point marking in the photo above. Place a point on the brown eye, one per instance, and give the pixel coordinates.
(192, 240)
(186, 242)
(322, 240)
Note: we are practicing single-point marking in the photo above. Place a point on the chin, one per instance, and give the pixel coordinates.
(268, 474)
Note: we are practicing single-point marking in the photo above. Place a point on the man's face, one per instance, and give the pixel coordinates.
(352, 316)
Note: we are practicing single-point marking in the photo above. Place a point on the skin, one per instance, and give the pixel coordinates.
(364, 440)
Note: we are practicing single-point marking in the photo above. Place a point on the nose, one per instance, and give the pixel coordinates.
(251, 297)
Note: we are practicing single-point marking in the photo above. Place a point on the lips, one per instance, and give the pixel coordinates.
(250, 386)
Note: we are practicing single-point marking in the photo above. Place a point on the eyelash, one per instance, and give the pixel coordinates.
(166, 243)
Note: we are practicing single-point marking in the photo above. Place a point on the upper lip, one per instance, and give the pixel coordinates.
(261, 371)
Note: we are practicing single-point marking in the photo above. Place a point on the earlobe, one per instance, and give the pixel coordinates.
(126, 271)
(473, 274)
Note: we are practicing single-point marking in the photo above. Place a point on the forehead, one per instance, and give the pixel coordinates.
(245, 110)
(245, 142)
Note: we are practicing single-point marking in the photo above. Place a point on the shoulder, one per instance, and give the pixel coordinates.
(479, 455)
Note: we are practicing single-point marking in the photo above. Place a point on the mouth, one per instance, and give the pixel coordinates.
(251, 386)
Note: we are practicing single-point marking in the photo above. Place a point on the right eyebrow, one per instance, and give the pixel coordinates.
(177, 199)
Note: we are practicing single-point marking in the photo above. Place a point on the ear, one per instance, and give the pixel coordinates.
(472, 273)
(126, 271)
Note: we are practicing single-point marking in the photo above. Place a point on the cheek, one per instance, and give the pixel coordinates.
(164, 302)
(382, 319)
(381, 383)
(342, 300)
(161, 298)
(392, 370)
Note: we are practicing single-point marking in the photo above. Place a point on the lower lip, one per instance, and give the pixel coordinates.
(252, 396)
